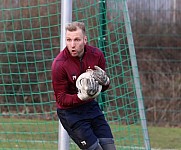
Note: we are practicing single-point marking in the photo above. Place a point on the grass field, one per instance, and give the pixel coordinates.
(37, 134)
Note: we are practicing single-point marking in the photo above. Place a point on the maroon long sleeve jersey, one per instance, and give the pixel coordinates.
(65, 71)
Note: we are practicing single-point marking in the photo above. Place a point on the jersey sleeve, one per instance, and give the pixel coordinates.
(60, 87)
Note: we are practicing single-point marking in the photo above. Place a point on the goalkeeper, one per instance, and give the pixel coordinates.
(77, 107)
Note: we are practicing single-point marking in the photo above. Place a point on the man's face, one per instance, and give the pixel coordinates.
(75, 42)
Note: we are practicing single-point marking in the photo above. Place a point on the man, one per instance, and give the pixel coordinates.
(78, 112)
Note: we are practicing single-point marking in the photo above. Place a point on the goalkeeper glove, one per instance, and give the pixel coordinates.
(92, 86)
(101, 76)
(87, 88)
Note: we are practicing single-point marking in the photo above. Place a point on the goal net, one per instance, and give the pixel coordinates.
(30, 40)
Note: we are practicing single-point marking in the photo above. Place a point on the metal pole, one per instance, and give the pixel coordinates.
(66, 17)
(102, 37)
(136, 76)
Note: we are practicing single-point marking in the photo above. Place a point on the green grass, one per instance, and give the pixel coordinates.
(24, 134)
(165, 137)
(28, 134)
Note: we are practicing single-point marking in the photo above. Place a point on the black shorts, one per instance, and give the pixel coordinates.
(85, 124)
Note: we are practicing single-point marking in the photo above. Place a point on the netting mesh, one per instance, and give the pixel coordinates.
(30, 40)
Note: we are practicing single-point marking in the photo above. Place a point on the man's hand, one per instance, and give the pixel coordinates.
(92, 86)
(101, 76)
(89, 88)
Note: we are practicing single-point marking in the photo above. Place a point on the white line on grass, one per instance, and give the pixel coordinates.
(141, 148)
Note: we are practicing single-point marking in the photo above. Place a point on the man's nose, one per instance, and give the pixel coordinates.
(73, 44)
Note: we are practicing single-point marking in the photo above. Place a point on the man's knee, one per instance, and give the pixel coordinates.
(95, 146)
(103, 144)
(107, 143)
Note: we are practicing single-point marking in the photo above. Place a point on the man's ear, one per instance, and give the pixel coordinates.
(85, 39)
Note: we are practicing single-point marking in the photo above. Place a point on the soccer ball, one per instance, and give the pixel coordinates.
(87, 75)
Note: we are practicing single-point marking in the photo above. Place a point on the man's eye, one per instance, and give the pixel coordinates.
(68, 40)
(77, 40)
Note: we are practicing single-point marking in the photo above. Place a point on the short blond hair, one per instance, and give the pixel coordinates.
(73, 26)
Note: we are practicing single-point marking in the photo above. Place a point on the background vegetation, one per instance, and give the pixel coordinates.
(157, 34)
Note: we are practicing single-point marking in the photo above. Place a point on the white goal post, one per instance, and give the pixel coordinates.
(66, 17)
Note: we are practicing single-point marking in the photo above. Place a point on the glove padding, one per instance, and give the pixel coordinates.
(92, 86)
(101, 76)
(87, 86)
